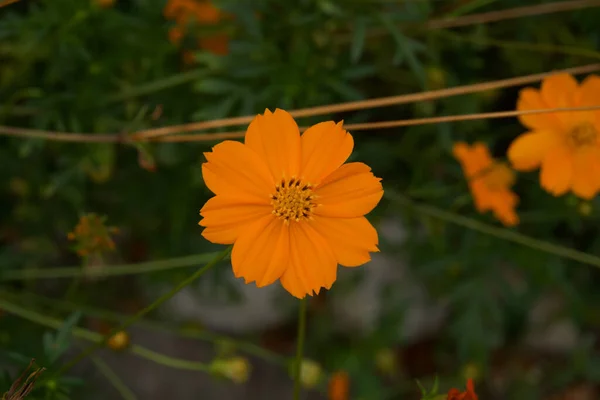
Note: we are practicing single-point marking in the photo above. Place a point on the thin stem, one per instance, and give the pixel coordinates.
(146, 310)
(113, 270)
(507, 44)
(113, 378)
(161, 84)
(299, 347)
(95, 337)
(112, 316)
(367, 104)
(304, 112)
(500, 233)
(165, 360)
(202, 137)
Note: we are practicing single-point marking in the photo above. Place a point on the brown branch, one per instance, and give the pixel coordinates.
(365, 104)
(512, 13)
(202, 137)
(154, 134)
(59, 136)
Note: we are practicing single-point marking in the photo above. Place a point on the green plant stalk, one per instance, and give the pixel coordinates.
(63, 305)
(299, 348)
(95, 337)
(113, 270)
(514, 45)
(500, 233)
(161, 84)
(151, 307)
(113, 378)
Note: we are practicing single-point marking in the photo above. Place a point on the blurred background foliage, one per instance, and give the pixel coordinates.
(99, 66)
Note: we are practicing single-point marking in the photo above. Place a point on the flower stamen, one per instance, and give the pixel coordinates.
(583, 135)
(293, 200)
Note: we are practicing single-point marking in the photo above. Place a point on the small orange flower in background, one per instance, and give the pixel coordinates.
(469, 394)
(490, 182)
(339, 386)
(290, 205)
(202, 12)
(566, 145)
(92, 236)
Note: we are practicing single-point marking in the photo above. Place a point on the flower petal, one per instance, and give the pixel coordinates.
(589, 95)
(527, 152)
(556, 173)
(325, 146)
(586, 173)
(235, 170)
(589, 91)
(350, 239)
(312, 263)
(504, 207)
(560, 90)
(261, 252)
(225, 217)
(531, 99)
(473, 159)
(349, 192)
(275, 137)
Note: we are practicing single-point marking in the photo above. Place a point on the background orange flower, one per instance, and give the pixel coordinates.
(490, 182)
(566, 145)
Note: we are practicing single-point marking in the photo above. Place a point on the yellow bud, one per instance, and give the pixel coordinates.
(237, 369)
(471, 371)
(436, 77)
(119, 341)
(585, 208)
(385, 359)
(310, 373)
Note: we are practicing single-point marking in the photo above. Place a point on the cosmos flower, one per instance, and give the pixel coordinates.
(564, 145)
(490, 182)
(289, 204)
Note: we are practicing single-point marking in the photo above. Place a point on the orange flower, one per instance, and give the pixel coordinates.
(292, 209)
(202, 12)
(565, 146)
(217, 44)
(469, 394)
(176, 34)
(339, 386)
(489, 181)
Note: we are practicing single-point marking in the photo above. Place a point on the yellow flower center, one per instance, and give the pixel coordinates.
(499, 176)
(293, 200)
(583, 135)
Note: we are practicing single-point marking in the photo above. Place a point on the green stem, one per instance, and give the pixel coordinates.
(299, 347)
(500, 233)
(98, 338)
(113, 378)
(107, 315)
(161, 84)
(168, 361)
(146, 310)
(514, 45)
(109, 271)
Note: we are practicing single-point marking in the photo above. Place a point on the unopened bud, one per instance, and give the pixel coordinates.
(119, 341)
(237, 369)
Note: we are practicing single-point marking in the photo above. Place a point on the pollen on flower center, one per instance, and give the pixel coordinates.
(583, 135)
(499, 176)
(293, 200)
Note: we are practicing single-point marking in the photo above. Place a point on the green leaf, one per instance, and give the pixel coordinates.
(358, 39)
